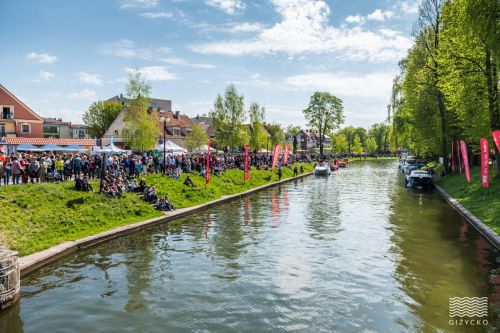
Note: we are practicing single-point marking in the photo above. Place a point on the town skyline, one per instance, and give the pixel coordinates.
(276, 53)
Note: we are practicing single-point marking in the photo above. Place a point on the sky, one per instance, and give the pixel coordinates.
(59, 56)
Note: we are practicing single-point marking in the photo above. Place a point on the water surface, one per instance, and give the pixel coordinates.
(354, 252)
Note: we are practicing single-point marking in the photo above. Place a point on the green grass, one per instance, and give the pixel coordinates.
(36, 217)
(483, 203)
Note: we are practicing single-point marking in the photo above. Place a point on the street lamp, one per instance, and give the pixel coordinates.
(164, 120)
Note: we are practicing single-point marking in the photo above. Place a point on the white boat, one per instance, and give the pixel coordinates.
(418, 179)
(322, 169)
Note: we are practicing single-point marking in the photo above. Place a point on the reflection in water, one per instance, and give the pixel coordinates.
(354, 252)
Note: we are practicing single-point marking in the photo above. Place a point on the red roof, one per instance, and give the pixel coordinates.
(46, 141)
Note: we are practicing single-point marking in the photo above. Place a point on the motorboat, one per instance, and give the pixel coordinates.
(322, 169)
(343, 164)
(405, 161)
(417, 178)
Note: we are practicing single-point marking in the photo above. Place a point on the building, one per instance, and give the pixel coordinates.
(78, 132)
(177, 125)
(56, 128)
(309, 139)
(19, 124)
(16, 118)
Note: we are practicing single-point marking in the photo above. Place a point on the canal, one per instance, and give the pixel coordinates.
(354, 252)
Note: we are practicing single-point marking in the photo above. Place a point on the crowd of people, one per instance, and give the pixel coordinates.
(125, 173)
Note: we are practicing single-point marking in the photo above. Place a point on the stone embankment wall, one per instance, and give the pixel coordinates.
(9, 277)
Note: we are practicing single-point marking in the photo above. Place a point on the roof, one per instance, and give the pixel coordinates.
(21, 102)
(47, 141)
(181, 121)
(156, 103)
(53, 121)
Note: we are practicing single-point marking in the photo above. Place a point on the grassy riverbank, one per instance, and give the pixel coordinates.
(483, 203)
(354, 159)
(36, 217)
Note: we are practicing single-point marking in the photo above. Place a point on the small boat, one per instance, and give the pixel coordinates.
(420, 179)
(322, 169)
(343, 164)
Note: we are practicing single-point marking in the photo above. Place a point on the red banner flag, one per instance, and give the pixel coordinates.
(465, 159)
(246, 174)
(485, 163)
(277, 151)
(496, 137)
(458, 157)
(285, 158)
(452, 156)
(207, 168)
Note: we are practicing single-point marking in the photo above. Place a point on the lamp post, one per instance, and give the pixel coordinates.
(164, 120)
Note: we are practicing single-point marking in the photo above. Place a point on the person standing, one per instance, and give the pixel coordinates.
(16, 170)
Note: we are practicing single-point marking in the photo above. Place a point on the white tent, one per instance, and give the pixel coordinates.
(109, 149)
(170, 147)
(203, 149)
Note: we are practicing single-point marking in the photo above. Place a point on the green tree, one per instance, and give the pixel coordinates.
(141, 123)
(227, 115)
(371, 145)
(277, 135)
(196, 138)
(324, 113)
(293, 130)
(339, 143)
(258, 135)
(358, 146)
(99, 116)
(380, 133)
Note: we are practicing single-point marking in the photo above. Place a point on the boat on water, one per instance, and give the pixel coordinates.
(322, 169)
(420, 179)
(343, 164)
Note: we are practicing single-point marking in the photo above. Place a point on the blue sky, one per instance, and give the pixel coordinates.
(59, 55)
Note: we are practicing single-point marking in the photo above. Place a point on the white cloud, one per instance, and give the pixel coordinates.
(182, 62)
(409, 7)
(246, 27)
(127, 4)
(305, 28)
(126, 48)
(44, 76)
(42, 58)
(355, 19)
(154, 73)
(379, 15)
(88, 78)
(230, 7)
(374, 84)
(83, 94)
(157, 15)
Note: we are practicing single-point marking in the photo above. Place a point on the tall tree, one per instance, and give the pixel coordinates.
(196, 138)
(371, 145)
(228, 113)
(99, 116)
(324, 113)
(258, 135)
(277, 134)
(427, 32)
(141, 130)
(293, 131)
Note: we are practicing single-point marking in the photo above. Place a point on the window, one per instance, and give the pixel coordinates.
(177, 131)
(25, 128)
(2, 129)
(6, 112)
(116, 132)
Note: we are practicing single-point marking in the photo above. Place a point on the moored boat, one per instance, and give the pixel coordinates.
(322, 169)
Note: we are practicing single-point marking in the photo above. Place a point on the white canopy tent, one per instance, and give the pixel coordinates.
(109, 149)
(203, 149)
(170, 147)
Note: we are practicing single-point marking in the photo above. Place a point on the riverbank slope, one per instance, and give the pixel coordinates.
(483, 203)
(38, 216)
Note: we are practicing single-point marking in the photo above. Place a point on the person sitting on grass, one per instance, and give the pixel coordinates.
(189, 182)
(133, 187)
(142, 185)
(170, 205)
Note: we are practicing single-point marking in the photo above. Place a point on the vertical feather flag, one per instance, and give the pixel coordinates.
(246, 174)
(485, 163)
(277, 151)
(458, 157)
(465, 159)
(285, 158)
(496, 137)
